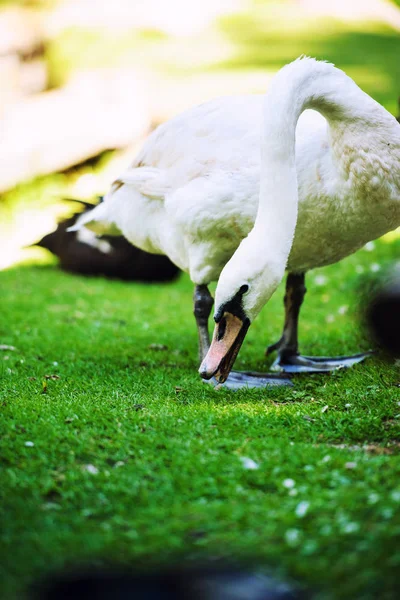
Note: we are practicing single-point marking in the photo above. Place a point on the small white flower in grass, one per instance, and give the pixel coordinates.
(249, 463)
(326, 530)
(302, 509)
(326, 459)
(373, 498)
(395, 495)
(288, 483)
(343, 309)
(369, 246)
(330, 318)
(91, 469)
(55, 363)
(292, 537)
(29, 444)
(320, 280)
(351, 527)
(375, 267)
(309, 468)
(348, 405)
(293, 492)
(119, 463)
(51, 506)
(324, 409)
(350, 465)
(309, 547)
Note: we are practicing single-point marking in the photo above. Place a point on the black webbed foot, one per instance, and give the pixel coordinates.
(248, 379)
(296, 363)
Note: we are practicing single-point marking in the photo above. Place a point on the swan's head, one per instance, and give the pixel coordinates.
(244, 287)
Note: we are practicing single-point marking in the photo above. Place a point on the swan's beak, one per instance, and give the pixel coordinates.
(228, 337)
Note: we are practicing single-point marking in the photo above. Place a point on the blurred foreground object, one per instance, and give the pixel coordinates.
(85, 253)
(166, 584)
(383, 314)
(96, 111)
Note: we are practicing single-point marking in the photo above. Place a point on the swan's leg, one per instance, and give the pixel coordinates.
(289, 360)
(293, 299)
(203, 303)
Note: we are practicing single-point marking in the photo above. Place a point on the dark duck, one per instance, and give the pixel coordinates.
(111, 256)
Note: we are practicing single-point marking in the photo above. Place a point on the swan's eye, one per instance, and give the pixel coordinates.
(221, 329)
(244, 288)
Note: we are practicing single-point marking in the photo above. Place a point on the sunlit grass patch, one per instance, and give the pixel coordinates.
(270, 36)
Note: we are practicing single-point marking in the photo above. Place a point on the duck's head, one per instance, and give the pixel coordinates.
(244, 287)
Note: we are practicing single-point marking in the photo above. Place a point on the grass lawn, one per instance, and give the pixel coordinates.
(85, 385)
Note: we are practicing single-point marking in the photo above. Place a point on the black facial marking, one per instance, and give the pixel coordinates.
(221, 329)
(234, 306)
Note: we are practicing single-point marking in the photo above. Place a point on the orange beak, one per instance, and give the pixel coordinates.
(228, 337)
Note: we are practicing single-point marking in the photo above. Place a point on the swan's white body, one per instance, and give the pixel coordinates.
(193, 191)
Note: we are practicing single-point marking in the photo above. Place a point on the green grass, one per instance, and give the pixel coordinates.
(167, 447)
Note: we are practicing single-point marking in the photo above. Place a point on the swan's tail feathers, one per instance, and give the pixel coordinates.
(149, 181)
(97, 220)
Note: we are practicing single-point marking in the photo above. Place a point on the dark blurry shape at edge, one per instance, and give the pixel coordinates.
(383, 313)
(173, 583)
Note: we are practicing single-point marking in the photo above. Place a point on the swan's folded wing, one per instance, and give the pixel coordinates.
(148, 181)
(99, 220)
(197, 145)
(216, 132)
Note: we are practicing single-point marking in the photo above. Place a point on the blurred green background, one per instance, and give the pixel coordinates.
(177, 54)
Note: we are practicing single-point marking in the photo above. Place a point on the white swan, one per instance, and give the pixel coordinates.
(328, 182)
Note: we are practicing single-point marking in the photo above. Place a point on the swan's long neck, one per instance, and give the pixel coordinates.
(306, 83)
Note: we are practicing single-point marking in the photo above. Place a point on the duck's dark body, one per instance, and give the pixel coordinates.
(121, 260)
